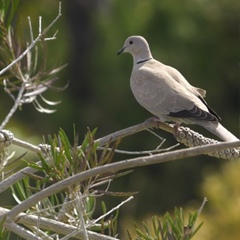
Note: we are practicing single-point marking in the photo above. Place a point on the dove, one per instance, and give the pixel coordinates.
(164, 92)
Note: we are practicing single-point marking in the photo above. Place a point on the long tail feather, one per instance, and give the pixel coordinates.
(217, 129)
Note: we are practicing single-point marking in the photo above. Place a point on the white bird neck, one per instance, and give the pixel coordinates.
(140, 58)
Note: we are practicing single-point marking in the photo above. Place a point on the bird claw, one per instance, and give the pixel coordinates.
(176, 129)
(156, 120)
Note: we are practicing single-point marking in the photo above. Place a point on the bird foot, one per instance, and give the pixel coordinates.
(175, 127)
(156, 120)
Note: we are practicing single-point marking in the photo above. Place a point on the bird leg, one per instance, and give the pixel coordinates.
(155, 120)
(175, 127)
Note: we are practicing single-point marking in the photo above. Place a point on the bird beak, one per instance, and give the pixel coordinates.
(121, 51)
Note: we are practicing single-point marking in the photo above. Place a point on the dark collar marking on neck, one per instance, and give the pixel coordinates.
(142, 61)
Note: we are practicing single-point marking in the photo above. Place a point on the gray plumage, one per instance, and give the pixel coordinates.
(164, 92)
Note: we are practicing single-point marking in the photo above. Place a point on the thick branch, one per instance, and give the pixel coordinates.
(132, 130)
(101, 142)
(52, 225)
(20, 231)
(6, 183)
(115, 167)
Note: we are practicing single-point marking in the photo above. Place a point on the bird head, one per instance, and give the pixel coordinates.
(137, 46)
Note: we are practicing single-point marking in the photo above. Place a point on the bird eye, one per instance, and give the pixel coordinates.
(131, 42)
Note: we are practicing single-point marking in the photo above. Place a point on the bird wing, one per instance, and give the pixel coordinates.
(176, 75)
(199, 92)
(157, 91)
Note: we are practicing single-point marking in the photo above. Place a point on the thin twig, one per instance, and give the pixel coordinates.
(26, 145)
(40, 233)
(6, 183)
(81, 212)
(148, 152)
(30, 28)
(155, 134)
(20, 231)
(115, 167)
(15, 106)
(53, 225)
(112, 210)
(34, 42)
(202, 206)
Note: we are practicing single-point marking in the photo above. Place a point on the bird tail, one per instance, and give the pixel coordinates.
(218, 130)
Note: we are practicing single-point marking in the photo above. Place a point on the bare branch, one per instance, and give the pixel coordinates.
(148, 152)
(132, 130)
(6, 183)
(112, 210)
(15, 106)
(103, 141)
(26, 145)
(185, 136)
(35, 41)
(52, 225)
(30, 28)
(115, 167)
(20, 231)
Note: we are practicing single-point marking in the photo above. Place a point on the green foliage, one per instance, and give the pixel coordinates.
(8, 10)
(169, 228)
(29, 71)
(4, 234)
(201, 40)
(60, 161)
(222, 218)
(7, 13)
(193, 36)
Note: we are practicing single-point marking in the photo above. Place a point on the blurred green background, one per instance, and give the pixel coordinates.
(198, 37)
